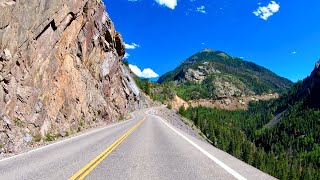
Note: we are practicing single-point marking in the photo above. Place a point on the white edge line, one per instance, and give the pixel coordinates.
(216, 160)
(66, 140)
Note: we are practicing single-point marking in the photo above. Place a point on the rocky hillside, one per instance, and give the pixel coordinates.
(279, 136)
(304, 95)
(60, 71)
(215, 75)
(306, 91)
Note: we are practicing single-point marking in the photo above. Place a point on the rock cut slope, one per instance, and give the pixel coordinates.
(60, 70)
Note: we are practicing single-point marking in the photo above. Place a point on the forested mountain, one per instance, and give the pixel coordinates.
(280, 137)
(214, 74)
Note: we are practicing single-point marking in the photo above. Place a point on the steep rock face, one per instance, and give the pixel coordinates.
(60, 70)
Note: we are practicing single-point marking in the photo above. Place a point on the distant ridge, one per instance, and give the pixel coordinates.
(224, 76)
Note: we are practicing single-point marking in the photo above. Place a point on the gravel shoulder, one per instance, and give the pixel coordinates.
(179, 122)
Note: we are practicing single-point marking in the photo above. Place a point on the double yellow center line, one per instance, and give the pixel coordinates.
(82, 173)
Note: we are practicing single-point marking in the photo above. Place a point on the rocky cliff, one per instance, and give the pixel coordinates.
(307, 90)
(60, 71)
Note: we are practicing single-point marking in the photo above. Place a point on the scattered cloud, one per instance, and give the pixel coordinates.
(169, 3)
(202, 9)
(203, 43)
(126, 55)
(131, 46)
(294, 52)
(264, 12)
(146, 73)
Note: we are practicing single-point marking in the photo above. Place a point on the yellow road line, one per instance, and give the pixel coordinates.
(82, 173)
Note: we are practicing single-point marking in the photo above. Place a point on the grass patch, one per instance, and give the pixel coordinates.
(37, 137)
(50, 137)
(19, 123)
(121, 118)
(82, 123)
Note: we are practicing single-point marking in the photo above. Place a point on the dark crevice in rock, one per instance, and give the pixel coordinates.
(85, 8)
(2, 28)
(119, 46)
(21, 99)
(73, 17)
(108, 36)
(5, 90)
(52, 24)
(6, 80)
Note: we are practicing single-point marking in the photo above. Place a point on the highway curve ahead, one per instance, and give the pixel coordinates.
(145, 147)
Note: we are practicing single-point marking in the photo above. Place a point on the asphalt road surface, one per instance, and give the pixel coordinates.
(145, 147)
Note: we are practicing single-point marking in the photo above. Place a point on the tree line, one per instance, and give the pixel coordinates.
(288, 150)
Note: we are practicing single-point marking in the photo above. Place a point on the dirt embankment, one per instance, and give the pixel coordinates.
(231, 103)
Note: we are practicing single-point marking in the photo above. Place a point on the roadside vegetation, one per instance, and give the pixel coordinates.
(157, 92)
(289, 150)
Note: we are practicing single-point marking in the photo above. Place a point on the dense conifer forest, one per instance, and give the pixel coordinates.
(289, 149)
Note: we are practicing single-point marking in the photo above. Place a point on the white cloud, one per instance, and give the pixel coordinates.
(133, 0)
(126, 55)
(202, 9)
(169, 3)
(146, 73)
(294, 52)
(203, 43)
(264, 12)
(131, 46)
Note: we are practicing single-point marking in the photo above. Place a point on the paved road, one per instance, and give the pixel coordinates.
(145, 147)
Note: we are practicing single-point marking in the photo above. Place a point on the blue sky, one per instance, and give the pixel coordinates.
(283, 36)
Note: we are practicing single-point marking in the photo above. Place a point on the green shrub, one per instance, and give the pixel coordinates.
(18, 122)
(37, 137)
(49, 137)
(182, 111)
(81, 123)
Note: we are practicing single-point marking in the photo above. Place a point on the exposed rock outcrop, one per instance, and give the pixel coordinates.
(60, 70)
(211, 74)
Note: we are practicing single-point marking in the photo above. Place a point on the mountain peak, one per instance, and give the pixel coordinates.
(317, 65)
(207, 50)
(228, 76)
